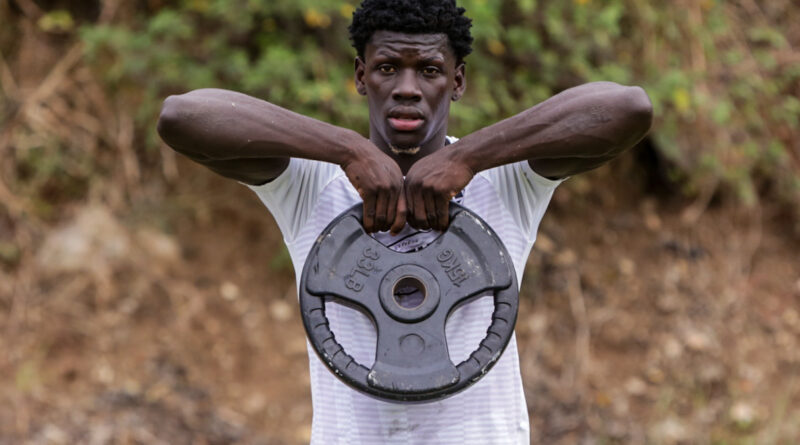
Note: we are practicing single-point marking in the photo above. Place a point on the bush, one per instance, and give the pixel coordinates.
(723, 76)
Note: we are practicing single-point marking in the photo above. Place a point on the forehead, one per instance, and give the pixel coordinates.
(398, 43)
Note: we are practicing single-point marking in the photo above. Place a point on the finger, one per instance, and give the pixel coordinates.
(391, 208)
(381, 202)
(420, 218)
(369, 212)
(430, 210)
(443, 213)
(400, 215)
(409, 205)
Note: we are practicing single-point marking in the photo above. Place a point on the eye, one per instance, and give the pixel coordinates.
(386, 69)
(431, 71)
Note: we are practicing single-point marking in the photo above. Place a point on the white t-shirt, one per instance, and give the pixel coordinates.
(512, 200)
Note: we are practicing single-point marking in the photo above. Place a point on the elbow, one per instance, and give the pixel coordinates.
(169, 121)
(639, 108)
(631, 104)
(634, 112)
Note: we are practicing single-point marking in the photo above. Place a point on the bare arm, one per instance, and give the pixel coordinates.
(574, 131)
(221, 128)
(571, 132)
(251, 140)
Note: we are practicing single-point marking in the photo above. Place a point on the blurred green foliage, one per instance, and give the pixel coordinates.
(723, 75)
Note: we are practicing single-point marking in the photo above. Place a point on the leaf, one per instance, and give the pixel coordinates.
(57, 20)
(682, 100)
(721, 113)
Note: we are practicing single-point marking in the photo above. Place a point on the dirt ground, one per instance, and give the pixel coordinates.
(175, 322)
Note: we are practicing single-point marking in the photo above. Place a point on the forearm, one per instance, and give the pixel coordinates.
(251, 140)
(596, 120)
(217, 125)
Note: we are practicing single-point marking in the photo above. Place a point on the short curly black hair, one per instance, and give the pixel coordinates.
(413, 17)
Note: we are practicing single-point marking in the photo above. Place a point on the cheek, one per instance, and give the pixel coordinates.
(376, 93)
(440, 101)
(377, 83)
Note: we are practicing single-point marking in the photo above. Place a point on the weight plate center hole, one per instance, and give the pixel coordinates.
(409, 293)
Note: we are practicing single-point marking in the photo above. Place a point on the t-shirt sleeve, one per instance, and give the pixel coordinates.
(524, 193)
(292, 196)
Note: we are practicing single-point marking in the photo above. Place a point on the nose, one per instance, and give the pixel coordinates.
(407, 87)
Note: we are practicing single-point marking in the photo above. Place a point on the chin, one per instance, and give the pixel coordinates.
(405, 143)
(405, 151)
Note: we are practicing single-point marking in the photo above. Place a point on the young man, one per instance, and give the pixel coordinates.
(410, 66)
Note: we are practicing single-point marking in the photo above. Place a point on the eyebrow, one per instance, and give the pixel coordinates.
(433, 60)
(392, 54)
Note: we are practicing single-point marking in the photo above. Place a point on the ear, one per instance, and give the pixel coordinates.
(459, 82)
(360, 70)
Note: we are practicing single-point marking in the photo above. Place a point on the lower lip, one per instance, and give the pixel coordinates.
(405, 124)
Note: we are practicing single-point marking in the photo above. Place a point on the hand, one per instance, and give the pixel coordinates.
(430, 185)
(379, 181)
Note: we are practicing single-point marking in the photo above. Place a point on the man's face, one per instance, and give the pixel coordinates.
(409, 81)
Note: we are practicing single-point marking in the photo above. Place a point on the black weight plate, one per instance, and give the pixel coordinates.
(411, 362)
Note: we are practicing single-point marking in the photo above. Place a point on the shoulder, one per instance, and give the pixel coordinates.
(300, 183)
(300, 172)
(518, 173)
(294, 195)
(508, 175)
